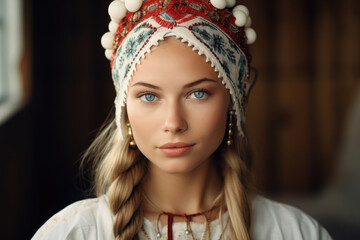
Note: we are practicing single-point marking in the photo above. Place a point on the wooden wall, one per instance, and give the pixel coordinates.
(308, 57)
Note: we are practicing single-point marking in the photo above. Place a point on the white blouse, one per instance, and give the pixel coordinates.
(91, 219)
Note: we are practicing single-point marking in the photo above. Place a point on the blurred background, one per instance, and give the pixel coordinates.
(302, 120)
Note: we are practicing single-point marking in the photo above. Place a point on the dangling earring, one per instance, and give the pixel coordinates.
(229, 142)
(132, 143)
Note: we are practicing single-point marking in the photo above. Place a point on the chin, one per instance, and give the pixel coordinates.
(177, 170)
(178, 166)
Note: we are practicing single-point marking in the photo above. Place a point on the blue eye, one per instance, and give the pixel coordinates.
(198, 94)
(148, 97)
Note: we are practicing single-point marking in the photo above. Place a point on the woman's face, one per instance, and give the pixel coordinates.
(177, 107)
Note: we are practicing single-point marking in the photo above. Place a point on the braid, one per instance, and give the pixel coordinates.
(125, 199)
(236, 180)
(118, 173)
(236, 200)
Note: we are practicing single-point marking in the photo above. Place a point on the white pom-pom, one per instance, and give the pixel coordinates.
(219, 4)
(248, 22)
(241, 18)
(113, 26)
(117, 11)
(107, 40)
(230, 3)
(251, 35)
(241, 8)
(133, 5)
(109, 54)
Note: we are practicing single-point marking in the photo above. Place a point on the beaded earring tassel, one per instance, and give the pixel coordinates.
(229, 142)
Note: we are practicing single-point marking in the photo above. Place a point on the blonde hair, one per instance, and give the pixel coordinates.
(236, 186)
(119, 170)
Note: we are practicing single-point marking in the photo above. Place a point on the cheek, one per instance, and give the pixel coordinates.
(217, 122)
(139, 124)
(143, 125)
(213, 123)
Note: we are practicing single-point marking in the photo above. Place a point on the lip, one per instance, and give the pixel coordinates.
(176, 149)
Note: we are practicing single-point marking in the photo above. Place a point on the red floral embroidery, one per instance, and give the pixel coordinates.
(169, 13)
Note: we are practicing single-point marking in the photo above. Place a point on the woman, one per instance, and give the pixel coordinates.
(172, 165)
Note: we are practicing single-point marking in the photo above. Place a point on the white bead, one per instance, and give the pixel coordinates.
(230, 3)
(187, 232)
(248, 22)
(107, 40)
(158, 235)
(219, 4)
(133, 5)
(241, 8)
(117, 11)
(113, 26)
(109, 54)
(241, 18)
(251, 35)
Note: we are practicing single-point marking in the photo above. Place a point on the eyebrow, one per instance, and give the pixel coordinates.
(145, 85)
(192, 84)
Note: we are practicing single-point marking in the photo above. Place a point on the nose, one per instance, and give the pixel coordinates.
(175, 118)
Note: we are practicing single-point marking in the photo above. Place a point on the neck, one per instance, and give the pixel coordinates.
(180, 193)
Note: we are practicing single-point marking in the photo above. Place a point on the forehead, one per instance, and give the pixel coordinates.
(175, 60)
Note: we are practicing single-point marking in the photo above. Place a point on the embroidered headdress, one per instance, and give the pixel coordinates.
(209, 27)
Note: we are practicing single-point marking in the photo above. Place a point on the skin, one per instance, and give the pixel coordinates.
(176, 96)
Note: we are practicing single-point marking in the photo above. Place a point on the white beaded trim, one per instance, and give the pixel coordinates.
(118, 9)
(242, 15)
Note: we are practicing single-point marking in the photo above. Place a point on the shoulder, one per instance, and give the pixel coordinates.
(87, 219)
(273, 220)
